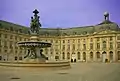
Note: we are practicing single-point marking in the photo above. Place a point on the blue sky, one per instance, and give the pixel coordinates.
(60, 13)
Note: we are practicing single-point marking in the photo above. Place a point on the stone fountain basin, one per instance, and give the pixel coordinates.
(59, 64)
(34, 43)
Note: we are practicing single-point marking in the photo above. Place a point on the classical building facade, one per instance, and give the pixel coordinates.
(98, 43)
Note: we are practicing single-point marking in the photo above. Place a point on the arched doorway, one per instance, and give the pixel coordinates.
(91, 56)
(104, 57)
(118, 55)
(98, 57)
(84, 56)
(111, 56)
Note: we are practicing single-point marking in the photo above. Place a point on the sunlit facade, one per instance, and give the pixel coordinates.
(97, 43)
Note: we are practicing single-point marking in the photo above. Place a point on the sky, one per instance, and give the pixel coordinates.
(60, 13)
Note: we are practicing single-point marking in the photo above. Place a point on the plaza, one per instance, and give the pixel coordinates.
(78, 72)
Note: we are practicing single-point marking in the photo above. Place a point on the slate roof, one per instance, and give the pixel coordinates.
(105, 25)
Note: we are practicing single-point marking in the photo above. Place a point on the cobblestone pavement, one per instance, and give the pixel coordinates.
(78, 72)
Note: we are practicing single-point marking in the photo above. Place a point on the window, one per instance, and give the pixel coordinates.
(104, 44)
(83, 40)
(91, 40)
(16, 58)
(111, 45)
(73, 46)
(63, 47)
(68, 47)
(118, 45)
(63, 41)
(20, 58)
(98, 55)
(78, 55)
(68, 41)
(0, 57)
(51, 41)
(118, 53)
(78, 40)
(0, 35)
(73, 41)
(63, 55)
(118, 37)
(56, 41)
(111, 38)
(91, 45)
(78, 46)
(91, 55)
(5, 35)
(84, 46)
(84, 56)
(98, 45)
(98, 39)
(11, 36)
(68, 55)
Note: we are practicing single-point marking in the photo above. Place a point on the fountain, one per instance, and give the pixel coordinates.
(34, 57)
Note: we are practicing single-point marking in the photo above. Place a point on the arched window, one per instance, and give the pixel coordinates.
(78, 55)
(98, 55)
(111, 55)
(84, 56)
(91, 55)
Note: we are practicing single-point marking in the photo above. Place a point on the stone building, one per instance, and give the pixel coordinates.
(98, 43)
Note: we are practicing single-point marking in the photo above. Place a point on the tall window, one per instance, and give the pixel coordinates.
(63, 41)
(111, 45)
(91, 40)
(98, 55)
(118, 37)
(0, 35)
(78, 46)
(98, 39)
(73, 46)
(68, 47)
(78, 40)
(104, 44)
(78, 55)
(84, 56)
(111, 55)
(63, 55)
(91, 55)
(91, 45)
(111, 38)
(63, 47)
(5, 35)
(98, 45)
(0, 43)
(56, 41)
(118, 53)
(84, 46)
(68, 41)
(68, 55)
(73, 41)
(118, 45)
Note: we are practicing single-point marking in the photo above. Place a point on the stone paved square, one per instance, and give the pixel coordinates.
(78, 72)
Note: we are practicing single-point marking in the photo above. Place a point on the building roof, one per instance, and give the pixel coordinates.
(105, 25)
